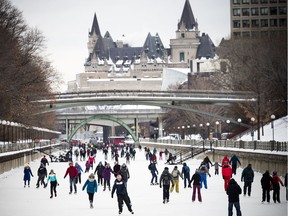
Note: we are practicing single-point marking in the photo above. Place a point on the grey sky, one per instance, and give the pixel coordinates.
(65, 24)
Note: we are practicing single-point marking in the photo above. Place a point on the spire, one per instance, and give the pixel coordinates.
(95, 26)
(187, 18)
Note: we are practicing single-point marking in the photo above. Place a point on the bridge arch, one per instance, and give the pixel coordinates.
(102, 117)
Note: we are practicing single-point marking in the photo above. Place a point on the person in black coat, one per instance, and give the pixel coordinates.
(266, 183)
(196, 179)
(248, 177)
(99, 170)
(233, 192)
(122, 195)
(165, 180)
(42, 173)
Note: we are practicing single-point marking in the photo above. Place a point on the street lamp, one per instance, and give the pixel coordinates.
(188, 131)
(272, 125)
(228, 122)
(252, 132)
(208, 130)
(239, 121)
(201, 125)
(183, 133)
(217, 123)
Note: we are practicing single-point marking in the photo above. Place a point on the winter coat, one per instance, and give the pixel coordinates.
(91, 185)
(226, 171)
(234, 159)
(72, 171)
(266, 181)
(99, 169)
(207, 162)
(185, 170)
(225, 160)
(119, 187)
(27, 173)
(79, 168)
(91, 159)
(247, 174)
(153, 168)
(175, 174)
(125, 173)
(44, 161)
(166, 178)
(52, 178)
(233, 191)
(276, 181)
(203, 169)
(116, 168)
(107, 173)
(42, 171)
(196, 179)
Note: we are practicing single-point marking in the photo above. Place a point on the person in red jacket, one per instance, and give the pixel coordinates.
(226, 174)
(276, 181)
(73, 174)
(225, 160)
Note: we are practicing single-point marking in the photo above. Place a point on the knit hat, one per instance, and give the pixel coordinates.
(166, 168)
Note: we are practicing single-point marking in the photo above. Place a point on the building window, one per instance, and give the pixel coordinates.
(254, 11)
(245, 12)
(264, 22)
(273, 10)
(254, 1)
(282, 10)
(236, 1)
(236, 23)
(236, 12)
(255, 23)
(283, 22)
(264, 11)
(245, 1)
(182, 56)
(264, 1)
(273, 22)
(245, 23)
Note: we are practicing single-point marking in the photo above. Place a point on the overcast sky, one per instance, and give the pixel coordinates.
(65, 24)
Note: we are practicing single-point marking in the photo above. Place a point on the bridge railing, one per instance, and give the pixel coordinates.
(254, 145)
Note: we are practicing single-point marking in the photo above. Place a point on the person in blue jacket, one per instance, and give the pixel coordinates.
(152, 167)
(80, 170)
(53, 183)
(233, 161)
(92, 187)
(27, 175)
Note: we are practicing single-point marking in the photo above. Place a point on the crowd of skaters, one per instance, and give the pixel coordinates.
(168, 180)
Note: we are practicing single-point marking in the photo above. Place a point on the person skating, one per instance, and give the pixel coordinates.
(73, 175)
(276, 181)
(154, 172)
(80, 170)
(107, 176)
(196, 179)
(99, 170)
(186, 173)
(248, 177)
(165, 180)
(27, 175)
(226, 174)
(233, 192)
(53, 183)
(203, 170)
(175, 174)
(122, 194)
(217, 165)
(44, 161)
(124, 171)
(92, 187)
(234, 161)
(266, 184)
(42, 174)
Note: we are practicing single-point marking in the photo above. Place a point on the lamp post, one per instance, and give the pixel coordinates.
(208, 130)
(217, 131)
(228, 122)
(201, 125)
(252, 132)
(239, 121)
(272, 125)
(188, 129)
(183, 132)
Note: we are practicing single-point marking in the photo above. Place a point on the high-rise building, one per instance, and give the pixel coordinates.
(256, 18)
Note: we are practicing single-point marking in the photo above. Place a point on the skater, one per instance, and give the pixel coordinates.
(124, 171)
(247, 176)
(208, 162)
(233, 161)
(175, 174)
(99, 170)
(216, 165)
(92, 187)
(165, 180)
(203, 170)
(122, 195)
(266, 183)
(44, 161)
(107, 176)
(233, 192)
(226, 174)
(91, 160)
(153, 169)
(27, 175)
(73, 174)
(225, 160)
(42, 173)
(87, 166)
(276, 181)
(79, 168)
(53, 183)
(196, 179)
(116, 168)
(186, 173)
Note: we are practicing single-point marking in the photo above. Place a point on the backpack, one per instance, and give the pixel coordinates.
(175, 173)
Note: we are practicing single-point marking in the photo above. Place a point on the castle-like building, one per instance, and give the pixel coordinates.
(115, 65)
